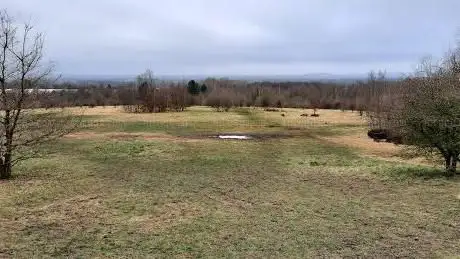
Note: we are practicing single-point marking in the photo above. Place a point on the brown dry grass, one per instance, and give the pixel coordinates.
(88, 135)
(199, 114)
(167, 216)
(366, 145)
(193, 115)
(361, 143)
(331, 117)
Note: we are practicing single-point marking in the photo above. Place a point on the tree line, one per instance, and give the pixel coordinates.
(153, 96)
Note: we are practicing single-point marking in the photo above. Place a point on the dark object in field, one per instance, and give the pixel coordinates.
(314, 163)
(378, 134)
(304, 115)
(314, 115)
(271, 110)
(282, 114)
(383, 134)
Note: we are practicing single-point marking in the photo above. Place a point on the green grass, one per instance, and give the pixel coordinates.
(272, 198)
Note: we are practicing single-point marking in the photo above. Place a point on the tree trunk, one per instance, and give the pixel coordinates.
(451, 165)
(454, 164)
(5, 158)
(5, 167)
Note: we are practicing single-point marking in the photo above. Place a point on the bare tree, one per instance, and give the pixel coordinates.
(21, 71)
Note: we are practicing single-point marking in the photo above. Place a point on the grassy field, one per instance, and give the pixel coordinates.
(158, 185)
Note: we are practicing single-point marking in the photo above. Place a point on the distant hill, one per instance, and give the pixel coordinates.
(322, 77)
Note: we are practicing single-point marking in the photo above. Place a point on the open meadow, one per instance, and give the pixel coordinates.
(161, 185)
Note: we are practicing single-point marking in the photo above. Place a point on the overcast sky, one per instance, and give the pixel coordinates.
(244, 37)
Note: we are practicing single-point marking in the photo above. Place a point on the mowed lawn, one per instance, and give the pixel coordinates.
(160, 186)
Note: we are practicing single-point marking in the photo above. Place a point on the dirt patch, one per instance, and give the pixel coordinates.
(164, 137)
(263, 136)
(82, 135)
(188, 138)
(124, 136)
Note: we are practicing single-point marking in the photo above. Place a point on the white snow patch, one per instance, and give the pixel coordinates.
(233, 137)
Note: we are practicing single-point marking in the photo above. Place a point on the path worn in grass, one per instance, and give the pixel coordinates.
(280, 197)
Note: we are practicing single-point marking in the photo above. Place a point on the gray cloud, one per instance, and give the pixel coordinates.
(240, 36)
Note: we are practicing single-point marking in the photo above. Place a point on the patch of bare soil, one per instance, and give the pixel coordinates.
(265, 136)
(82, 135)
